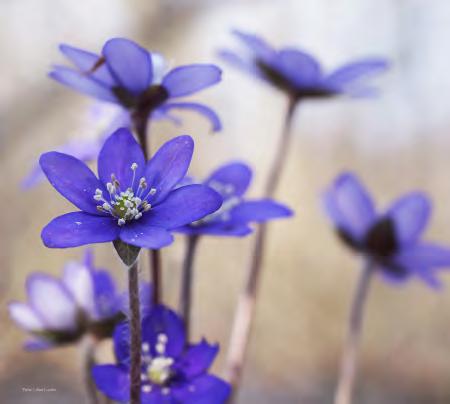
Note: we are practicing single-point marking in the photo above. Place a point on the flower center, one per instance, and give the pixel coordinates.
(125, 205)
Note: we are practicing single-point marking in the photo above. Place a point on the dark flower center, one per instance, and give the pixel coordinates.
(380, 240)
(149, 100)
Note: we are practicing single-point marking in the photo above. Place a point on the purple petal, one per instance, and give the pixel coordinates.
(244, 64)
(78, 228)
(78, 280)
(198, 359)
(355, 71)
(299, 67)
(72, 179)
(184, 205)
(205, 389)
(142, 235)
(168, 166)
(217, 228)
(207, 112)
(82, 83)
(87, 63)
(129, 63)
(34, 345)
(121, 338)
(410, 215)
(259, 211)
(230, 179)
(51, 300)
(118, 153)
(25, 317)
(113, 381)
(189, 79)
(256, 44)
(161, 320)
(349, 206)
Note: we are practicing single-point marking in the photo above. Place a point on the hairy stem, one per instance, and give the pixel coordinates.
(135, 334)
(87, 349)
(347, 373)
(245, 311)
(186, 283)
(156, 275)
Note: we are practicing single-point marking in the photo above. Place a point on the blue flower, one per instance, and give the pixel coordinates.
(173, 371)
(129, 75)
(60, 312)
(133, 200)
(390, 239)
(298, 73)
(233, 218)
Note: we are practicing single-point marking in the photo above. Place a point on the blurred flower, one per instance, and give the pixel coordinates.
(298, 73)
(390, 239)
(133, 200)
(234, 216)
(129, 75)
(84, 301)
(173, 371)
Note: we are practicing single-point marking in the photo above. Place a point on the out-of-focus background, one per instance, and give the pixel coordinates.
(396, 142)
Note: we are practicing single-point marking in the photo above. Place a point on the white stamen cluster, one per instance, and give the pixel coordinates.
(158, 368)
(125, 205)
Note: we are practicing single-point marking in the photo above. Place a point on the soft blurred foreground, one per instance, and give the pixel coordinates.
(396, 142)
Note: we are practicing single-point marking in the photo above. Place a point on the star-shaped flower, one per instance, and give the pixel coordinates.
(173, 371)
(231, 181)
(390, 239)
(132, 200)
(297, 73)
(61, 311)
(129, 75)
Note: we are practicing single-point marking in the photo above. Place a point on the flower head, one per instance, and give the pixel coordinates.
(297, 73)
(132, 200)
(172, 369)
(390, 239)
(127, 74)
(60, 311)
(231, 181)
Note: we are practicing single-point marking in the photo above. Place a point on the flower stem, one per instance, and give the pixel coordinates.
(140, 119)
(348, 366)
(245, 310)
(135, 334)
(87, 348)
(156, 275)
(186, 283)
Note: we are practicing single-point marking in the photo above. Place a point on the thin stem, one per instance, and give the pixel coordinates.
(135, 335)
(87, 349)
(347, 373)
(186, 283)
(156, 275)
(140, 122)
(245, 311)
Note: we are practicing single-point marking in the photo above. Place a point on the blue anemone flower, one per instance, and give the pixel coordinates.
(231, 181)
(129, 75)
(173, 371)
(61, 311)
(133, 200)
(390, 239)
(299, 74)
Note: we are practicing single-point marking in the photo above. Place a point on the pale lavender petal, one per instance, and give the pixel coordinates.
(25, 317)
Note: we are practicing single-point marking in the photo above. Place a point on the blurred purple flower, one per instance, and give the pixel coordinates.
(233, 218)
(129, 75)
(133, 200)
(298, 73)
(390, 239)
(59, 312)
(173, 371)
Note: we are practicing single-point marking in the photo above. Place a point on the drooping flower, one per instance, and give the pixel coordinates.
(61, 311)
(173, 371)
(236, 214)
(391, 239)
(133, 200)
(299, 74)
(129, 75)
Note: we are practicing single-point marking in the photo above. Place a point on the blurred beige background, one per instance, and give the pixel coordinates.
(397, 142)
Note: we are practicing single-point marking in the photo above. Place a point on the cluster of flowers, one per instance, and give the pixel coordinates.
(140, 203)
